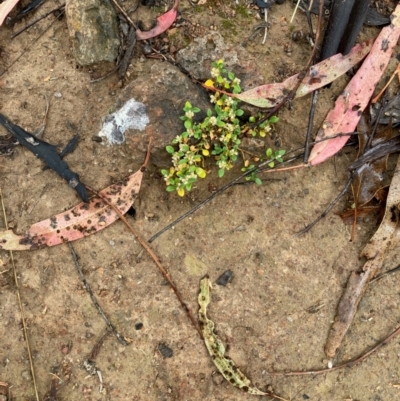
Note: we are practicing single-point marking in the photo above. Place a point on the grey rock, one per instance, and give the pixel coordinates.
(163, 92)
(198, 57)
(26, 375)
(93, 28)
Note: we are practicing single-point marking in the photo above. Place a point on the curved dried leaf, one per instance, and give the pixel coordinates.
(163, 23)
(320, 75)
(216, 349)
(344, 117)
(81, 221)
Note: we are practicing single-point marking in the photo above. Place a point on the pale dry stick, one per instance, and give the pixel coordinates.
(20, 305)
(348, 364)
(129, 19)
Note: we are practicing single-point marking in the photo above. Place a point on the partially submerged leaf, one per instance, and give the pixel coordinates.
(163, 23)
(375, 252)
(5, 9)
(344, 117)
(320, 75)
(80, 221)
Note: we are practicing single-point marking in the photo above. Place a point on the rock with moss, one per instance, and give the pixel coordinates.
(93, 28)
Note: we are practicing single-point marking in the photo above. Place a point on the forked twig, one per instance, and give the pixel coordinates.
(28, 347)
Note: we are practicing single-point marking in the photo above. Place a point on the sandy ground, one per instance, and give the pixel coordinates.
(263, 315)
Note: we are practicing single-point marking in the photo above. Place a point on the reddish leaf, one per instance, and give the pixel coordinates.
(163, 23)
(5, 9)
(80, 221)
(320, 75)
(344, 117)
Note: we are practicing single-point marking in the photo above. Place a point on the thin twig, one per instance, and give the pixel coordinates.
(28, 347)
(124, 13)
(310, 125)
(123, 340)
(327, 210)
(29, 47)
(347, 364)
(148, 249)
(14, 35)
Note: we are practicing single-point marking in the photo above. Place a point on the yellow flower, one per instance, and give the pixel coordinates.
(205, 152)
(209, 83)
(181, 192)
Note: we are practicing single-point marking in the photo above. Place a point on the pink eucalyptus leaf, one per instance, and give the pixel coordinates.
(349, 106)
(79, 222)
(320, 74)
(163, 23)
(5, 9)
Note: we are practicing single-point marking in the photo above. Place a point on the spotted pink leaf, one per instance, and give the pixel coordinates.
(163, 23)
(344, 117)
(80, 221)
(321, 74)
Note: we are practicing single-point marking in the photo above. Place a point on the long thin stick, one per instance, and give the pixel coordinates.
(28, 347)
(348, 364)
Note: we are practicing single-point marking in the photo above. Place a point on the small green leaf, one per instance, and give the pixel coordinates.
(231, 75)
(273, 119)
(164, 172)
(272, 164)
(239, 112)
(170, 149)
(257, 181)
(188, 124)
(170, 188)
(269, 152)
(221, 172)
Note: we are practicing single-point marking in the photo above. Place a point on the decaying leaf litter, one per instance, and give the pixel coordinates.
(194, 285)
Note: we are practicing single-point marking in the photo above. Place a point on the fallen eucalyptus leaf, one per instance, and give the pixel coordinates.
(163, 23)
(81, 221)
(320, 75)
(344, 117)
(5, 9)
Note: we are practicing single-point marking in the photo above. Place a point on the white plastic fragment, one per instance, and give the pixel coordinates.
(132, 115)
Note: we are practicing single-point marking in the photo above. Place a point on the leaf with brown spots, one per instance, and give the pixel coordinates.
(225, 365)
(81, 221)
(344, 117)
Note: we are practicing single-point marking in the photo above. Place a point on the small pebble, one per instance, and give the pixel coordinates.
(26, 375)
(165, 351)
(112, 243)
(58, 94)
(225, 278)
(138, 326)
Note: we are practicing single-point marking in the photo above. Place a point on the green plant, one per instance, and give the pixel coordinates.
(217, 136)
(271, 158)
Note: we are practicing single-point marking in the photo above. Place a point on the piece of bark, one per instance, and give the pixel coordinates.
(48, 153)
